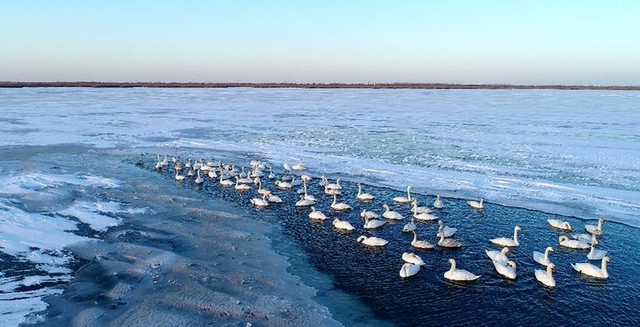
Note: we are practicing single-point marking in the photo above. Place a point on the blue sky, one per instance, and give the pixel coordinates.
(519, 42)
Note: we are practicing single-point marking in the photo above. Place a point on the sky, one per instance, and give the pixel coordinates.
(512, 42)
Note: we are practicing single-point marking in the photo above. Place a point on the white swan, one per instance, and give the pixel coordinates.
(299, 166)
(283, 185)
(241, 187)
(286, 166)
(199, 179)
(390, 214)
(437, 203)
(372, 241)
(423, 216)
(498, 255)
(546, 278)
(505, 268)
(420, 244)
(342, 224)
(543, 258)
(317, 215)
(419, 209)
(562, 225)
(260, 202)
(503, 241)
(445, 230)
(262, 191)
(331, 191)
(591, 270)
(341, 206)
(402, 199)
(372, 223)
(574, 244)
(335, 186)
(363, 196)
(411, 257)
(476, 204)
(369, 214)
(597, 230)
(409, 227)
(459, 274)
(408, 270)
(595, 254)
(179, 177)
(307, 195)
(274, 198)
(448, 242)
(212, 174)
(271, 174)
(303, 202)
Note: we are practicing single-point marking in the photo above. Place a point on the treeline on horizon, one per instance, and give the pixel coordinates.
(8, 84)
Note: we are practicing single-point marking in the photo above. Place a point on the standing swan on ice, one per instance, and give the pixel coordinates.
(372, 241)
(503, 241)
(438, 203)
(595, 230)
(459, 274)
(402, 199)
(363, 196)
(476, 204)
(562, 225)
(546, 278)
(543, 259)
(591, 270)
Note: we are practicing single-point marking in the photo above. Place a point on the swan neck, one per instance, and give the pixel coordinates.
(604, 267)
(549, 271)
(515, 235)
(453, 266)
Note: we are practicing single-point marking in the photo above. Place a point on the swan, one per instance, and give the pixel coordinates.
(459, 274)
(274, 198)
(498, 255)
(409, 227)
(591, 270)
(140, 161)
(541, 258)
(411, 257)
(363, 196)
(546, 278)
(408, 270)
(587, 238)
(331, 191)
(318, 215)
(574, 244)
(225, 182)
(179, 177)
(339, 206)
(597, 230)
(448, 231)
(476, 204)
(283, 185)
(305, 178)
(437, 203)
(342, 224)
(503, 241)
(335, 186)
(389, 214)
(271, 174)
(369, 214)
(323, 181)
(260, 202)
(212, 174)
(420, 244)
(373, 223)
(199, 179)
(191, 173)
(505, 268)
(562, 225)
(299, 166)
(423, 216)
(448, 242)
(286, 166)
(402, 199)
(262, 191)
(372, 241)
(304, 202)
(307, 195)
(595, 254)
(418, 209)
(241, 187)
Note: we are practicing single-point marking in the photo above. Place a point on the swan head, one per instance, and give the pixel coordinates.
(385, 206)
(517, 228)
(550, 249)
(440, 223)
(361, 238)
(511, 264)
(600, 220)
(567, 226)
(562, 239)
(452, 262)
(363, 213)
(551, 266)
(504, 250)
(606, 259)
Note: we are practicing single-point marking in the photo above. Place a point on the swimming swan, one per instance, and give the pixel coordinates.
(459, 274)
(389, 214)
(402, 199)
(562, 225)
(541, 258)
(596, 254)
(498, 255)
(423, 216)
(476, 204)
(448, 242)
(369, 214)
(446, 230)
(372, 241)
(574, 244)
(503, 241)
(420, 244)
(317, 215)
(437, 203)
(342, 224)
(408, 270)
(199, 179)
(303, 202)
(409, 227)
(260, 202)
(241, 187)
(591, 270)
(341, 206)
(546, 278)
(274, 198)
(506, 269)
(179, 177)
(597, 230)
(419, 209)
(411, 257)
(363, 196)
(372, 223)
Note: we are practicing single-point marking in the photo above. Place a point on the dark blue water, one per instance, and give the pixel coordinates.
(427, 298)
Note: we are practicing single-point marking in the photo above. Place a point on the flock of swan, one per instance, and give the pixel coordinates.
(293, 176)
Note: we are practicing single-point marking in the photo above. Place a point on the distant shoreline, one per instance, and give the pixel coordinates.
(427, 86)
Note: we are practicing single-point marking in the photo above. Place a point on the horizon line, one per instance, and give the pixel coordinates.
(313, 85)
